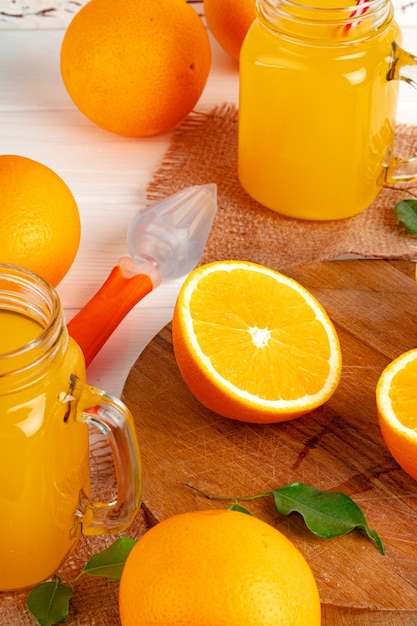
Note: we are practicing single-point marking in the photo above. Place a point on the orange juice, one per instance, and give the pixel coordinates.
(46, 408)
(316, 111)
(17, 330)
(43, 460)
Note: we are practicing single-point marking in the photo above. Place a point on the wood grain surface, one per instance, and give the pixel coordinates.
(373, 305)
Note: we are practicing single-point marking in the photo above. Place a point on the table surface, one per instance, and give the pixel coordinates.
(108, 174)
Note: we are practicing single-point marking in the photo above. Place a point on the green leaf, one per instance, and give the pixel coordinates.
(49, 602)
(406, 213)
(110, 562)
(241, 509)
(326, 513)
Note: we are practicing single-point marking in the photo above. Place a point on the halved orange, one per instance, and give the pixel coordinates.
(253, 344)
(396, 399)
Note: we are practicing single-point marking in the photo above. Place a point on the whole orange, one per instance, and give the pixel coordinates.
(135, 68)
(39, 218)
(218, 567)
(229, 21)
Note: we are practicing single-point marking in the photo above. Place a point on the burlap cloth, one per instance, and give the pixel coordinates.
(203, 150)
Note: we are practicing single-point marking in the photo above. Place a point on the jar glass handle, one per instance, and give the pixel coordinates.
(114, 420)
(403, 67)
(401, 60)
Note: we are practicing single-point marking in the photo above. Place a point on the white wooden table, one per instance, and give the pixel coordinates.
(107, 174)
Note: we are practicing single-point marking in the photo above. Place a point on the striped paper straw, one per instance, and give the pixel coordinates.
(360, 9)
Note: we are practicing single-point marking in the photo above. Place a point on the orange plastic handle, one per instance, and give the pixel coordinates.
(97, 320)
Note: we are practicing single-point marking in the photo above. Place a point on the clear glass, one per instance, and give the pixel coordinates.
(317, 110)
(172, 233)
(165, 240)
(45, 409)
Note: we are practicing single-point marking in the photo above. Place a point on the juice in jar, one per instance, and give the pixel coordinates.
(316, 115)
(44, 458)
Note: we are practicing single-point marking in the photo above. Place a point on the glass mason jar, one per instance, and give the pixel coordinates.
(46, 408)
(317, 106)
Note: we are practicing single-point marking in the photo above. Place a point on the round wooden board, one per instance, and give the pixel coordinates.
(337, 447)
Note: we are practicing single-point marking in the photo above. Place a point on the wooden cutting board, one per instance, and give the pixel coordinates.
(373, 305)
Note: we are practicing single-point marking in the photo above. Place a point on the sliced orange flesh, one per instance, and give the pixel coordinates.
(403, 395)
(397, 391)
(396, 398)
(279, 335)
(254, 337)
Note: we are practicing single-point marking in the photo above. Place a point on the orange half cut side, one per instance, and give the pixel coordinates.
(252, 344)
(396, 399)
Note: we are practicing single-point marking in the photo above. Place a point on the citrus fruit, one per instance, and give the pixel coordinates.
(135, 68)
(396, 399)
(253, 344)
(217, 568)
(39, 218)
(229, 21)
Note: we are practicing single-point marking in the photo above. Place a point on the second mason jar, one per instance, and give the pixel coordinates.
(317, 107)
(47, 409)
